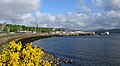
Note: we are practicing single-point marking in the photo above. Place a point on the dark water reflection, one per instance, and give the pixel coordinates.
(85, 50)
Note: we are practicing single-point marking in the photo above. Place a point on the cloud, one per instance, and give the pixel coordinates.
(108, 5)
(71, 20)
(21, 12)
(44, 19)
(108, 18)
(18, 11)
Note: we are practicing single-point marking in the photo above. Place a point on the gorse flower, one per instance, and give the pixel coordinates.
(16, 55)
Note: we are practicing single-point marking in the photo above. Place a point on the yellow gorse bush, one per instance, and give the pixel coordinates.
(16, 55)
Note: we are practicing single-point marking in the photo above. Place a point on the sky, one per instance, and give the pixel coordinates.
(56, 7)
(72, 14)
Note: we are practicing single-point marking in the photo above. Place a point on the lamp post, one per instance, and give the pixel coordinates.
(9, 26)
(35, 29)
(35, 26)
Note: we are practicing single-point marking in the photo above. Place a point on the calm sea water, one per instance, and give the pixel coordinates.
(85, 50)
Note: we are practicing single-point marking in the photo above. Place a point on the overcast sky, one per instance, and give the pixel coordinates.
(74, 14)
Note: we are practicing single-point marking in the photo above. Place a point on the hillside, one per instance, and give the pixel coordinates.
(17, 28)
(109, 30)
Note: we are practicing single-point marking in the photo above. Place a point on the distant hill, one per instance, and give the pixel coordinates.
(17, 28)
(109, 30)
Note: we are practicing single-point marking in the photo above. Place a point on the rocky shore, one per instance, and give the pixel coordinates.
(53, 60)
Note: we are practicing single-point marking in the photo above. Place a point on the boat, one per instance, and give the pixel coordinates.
(104, 33)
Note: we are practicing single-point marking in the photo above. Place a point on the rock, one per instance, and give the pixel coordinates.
(51, 62)
(67, 61)
(54, 61)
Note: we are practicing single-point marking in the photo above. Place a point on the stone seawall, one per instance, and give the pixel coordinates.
(33, 36)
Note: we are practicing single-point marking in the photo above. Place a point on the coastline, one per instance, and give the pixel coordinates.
(47, 57)
(27, 38)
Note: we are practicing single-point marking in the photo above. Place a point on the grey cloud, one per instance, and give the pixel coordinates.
(108, 18)
(20, 12)
(85, 19)
(108, 5)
